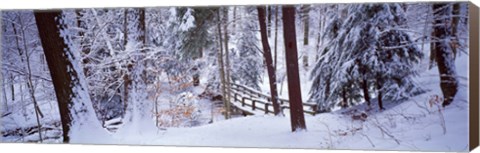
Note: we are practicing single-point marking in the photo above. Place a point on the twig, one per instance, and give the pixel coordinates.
(369, 140)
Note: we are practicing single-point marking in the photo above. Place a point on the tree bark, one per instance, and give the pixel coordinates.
(366, 94)
(12, 87)
(72, 97)
(142, 26)
(294, 91)
(125, 27)
(58, 64)
(269, 21)
(268, 60)
(276, 39)
(305, 19)
(221, 65)
(227, 58)
(344, 103)
(380, 95)
(5, 94)
(455, 21)
(327, 88)
(29, 74)
(444, 55)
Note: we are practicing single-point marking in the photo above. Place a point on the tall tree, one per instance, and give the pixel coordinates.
(291, 57)
(221, 65)
(74, 102)
(442, 35)
(267, 54)
(227, 57)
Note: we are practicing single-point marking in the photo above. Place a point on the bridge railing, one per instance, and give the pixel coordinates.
(256, 98)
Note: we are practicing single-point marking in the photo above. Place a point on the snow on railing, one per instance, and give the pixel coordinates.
(253, 99)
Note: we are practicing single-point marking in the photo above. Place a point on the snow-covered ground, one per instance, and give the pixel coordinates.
(413, 124)
(410, 125)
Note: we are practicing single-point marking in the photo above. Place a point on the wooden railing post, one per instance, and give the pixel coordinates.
(314, 109)
(253, 104)
(243, 101)
(266, 108)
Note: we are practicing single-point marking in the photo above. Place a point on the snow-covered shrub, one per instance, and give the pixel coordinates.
(182, 112)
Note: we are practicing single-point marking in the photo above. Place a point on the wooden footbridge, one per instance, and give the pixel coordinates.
(252, 102)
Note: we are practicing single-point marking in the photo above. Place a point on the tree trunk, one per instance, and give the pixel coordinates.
(234, 20)
(317, 49)
(327, 88)
(269, 21)
(455, 21)
(227, 58)
(127, 82)
(73, 100)
(12, 87)
(221, 65)
(380, 95)
(289, 35)
(344, 103)
(58, 64)
(276, 39)
(125, 28)
(305, 19)
(5, 94)
(29, 76)
(444, 55)
(142, 26)
(268, 60)
(366, 94)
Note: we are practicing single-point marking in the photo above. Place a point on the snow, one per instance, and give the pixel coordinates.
(413, 124)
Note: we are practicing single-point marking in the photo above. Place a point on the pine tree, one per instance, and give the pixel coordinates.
(195, 36)
(248, 65)
(368, 51)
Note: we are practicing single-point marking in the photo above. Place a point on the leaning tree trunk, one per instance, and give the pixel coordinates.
(291, 56)
(268, 60)
(74, 103)
(442, 32)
